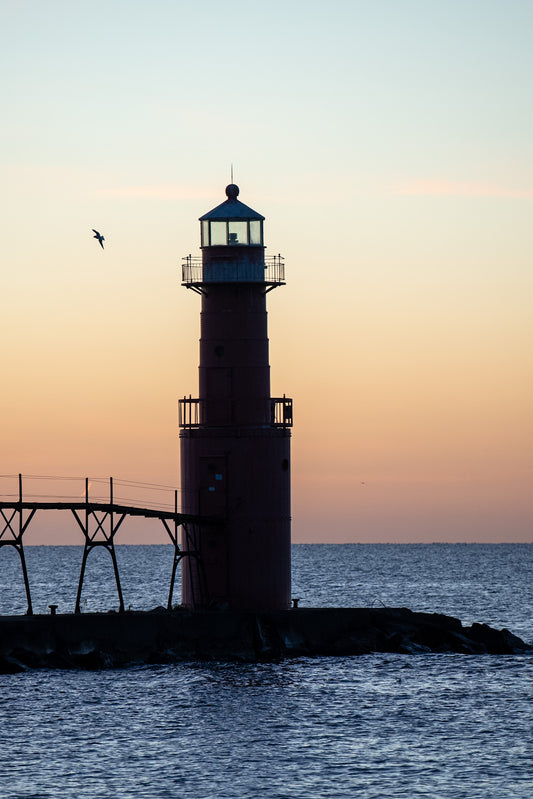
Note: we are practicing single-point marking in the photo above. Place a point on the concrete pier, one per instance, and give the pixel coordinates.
(111, 640)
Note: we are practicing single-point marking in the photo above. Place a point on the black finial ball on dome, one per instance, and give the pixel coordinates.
(232, 191)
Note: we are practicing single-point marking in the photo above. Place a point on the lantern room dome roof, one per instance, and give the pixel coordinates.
(232, 208)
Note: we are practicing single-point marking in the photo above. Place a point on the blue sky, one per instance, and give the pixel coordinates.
(381, 90)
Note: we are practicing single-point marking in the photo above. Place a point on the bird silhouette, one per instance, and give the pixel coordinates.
(99, 237)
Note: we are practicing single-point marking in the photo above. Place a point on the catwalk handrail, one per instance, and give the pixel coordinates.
(30, 500)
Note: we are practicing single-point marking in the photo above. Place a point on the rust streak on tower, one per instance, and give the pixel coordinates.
(235, 437)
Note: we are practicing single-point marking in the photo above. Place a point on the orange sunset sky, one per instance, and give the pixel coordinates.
(389, 146)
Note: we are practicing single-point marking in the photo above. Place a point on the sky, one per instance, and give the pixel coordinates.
(389, 144)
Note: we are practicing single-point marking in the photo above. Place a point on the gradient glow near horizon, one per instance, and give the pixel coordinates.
(389, 146)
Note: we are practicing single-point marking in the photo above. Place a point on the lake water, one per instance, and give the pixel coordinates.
(437, 726)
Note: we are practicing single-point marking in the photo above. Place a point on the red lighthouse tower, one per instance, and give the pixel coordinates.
(235, 437)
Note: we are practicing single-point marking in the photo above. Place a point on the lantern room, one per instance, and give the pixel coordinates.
(232, 223)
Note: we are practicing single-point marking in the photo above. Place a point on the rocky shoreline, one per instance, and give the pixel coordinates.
(117, 640)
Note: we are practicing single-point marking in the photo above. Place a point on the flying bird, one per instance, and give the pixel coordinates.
(99, 237)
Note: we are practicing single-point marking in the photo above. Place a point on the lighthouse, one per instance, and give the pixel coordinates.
(235, 437)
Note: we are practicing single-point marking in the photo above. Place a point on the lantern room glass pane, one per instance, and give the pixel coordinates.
(205, 233)
(218, 233)
(238, 232)
(255, 231)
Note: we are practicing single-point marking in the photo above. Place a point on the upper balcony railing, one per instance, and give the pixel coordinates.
(270, 272)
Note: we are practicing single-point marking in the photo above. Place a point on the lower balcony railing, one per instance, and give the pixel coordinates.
(194, 412)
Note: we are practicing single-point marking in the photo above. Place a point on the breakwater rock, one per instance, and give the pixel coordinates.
(110, 640)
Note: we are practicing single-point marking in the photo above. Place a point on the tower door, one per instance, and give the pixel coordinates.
(213, 486)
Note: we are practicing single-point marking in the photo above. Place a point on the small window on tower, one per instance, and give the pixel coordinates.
(205, 233)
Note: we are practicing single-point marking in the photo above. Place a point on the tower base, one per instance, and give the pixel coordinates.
(238, 480)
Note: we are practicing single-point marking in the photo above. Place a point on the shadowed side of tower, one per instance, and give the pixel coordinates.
(235, 437)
